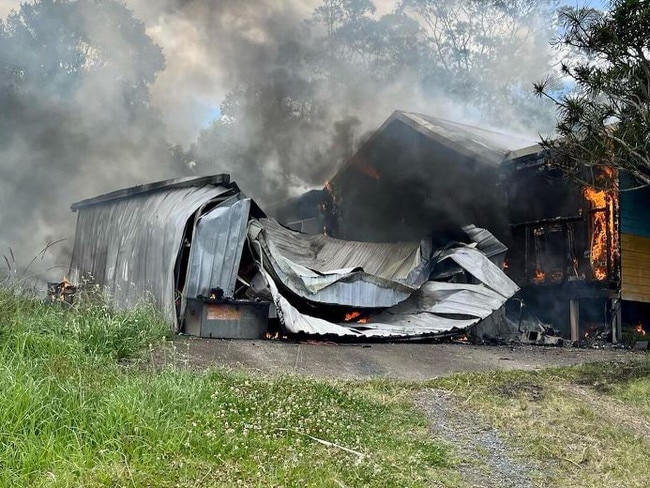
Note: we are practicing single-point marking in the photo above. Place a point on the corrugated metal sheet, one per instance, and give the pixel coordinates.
(323, 254)
(415, 325)
(475, 300)
(487, 243)
(481, 268)
(635, 268)
(130, 245)
(217, 248)
(487, 144)
(331, 271)
(435, 308)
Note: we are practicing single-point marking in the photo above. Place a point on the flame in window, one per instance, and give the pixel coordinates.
(603, 241)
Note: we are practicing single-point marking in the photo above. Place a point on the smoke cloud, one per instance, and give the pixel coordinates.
(293, 93)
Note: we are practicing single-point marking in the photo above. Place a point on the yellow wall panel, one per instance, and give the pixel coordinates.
(635, 268)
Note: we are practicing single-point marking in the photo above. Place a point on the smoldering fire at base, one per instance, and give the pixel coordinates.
(386, 249)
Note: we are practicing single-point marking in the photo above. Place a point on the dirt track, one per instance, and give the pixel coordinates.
(400, 361)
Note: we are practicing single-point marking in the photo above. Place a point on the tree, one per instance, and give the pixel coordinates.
(604, 121)
(487, 52)
(75, 118)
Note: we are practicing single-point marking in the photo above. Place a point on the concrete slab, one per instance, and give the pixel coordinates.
(407, 361)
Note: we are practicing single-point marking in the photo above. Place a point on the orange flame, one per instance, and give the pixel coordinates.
(349, 317)
(539, 276)
(368, 170)
(639, 329)
(604, 238)
(355, 316)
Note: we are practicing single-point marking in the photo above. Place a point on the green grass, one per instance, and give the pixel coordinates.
(77, 408)
(582, 426)
(82, 404)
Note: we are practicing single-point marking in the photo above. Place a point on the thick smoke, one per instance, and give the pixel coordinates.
(295, 74)
(296, 91)
(74, 121)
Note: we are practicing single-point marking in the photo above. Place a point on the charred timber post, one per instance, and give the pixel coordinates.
(574, 318)
(527, 271)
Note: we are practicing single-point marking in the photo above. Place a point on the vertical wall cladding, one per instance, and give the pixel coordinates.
(635, 241)
(129, 245)
(217, 249)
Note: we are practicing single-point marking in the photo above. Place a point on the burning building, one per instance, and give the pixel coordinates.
(419, 176)
(386, 249)
(565, 243)
(580, 253)
(213, 263)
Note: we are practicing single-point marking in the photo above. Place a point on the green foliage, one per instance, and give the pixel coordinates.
(605, 119)
(91, 327)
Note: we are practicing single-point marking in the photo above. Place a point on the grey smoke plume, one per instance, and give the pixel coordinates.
(296, 92)
(74, 119)
(295, 74)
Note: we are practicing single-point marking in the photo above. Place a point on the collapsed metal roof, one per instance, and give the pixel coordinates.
(391, 281)
(179, 239)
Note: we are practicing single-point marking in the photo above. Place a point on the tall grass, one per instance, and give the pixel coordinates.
(74, 413)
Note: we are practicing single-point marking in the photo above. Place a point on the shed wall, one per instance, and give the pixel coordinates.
(129, 246)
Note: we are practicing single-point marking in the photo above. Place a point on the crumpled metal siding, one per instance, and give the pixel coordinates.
(487, 243)
(323, 253)
(130, 246)
(331, 271)
(217, 249)
(436, 308)
(484, 270)
(475, 300)
(416, 325)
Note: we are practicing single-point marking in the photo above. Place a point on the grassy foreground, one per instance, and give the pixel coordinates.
(80, 405)
(73, 412)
